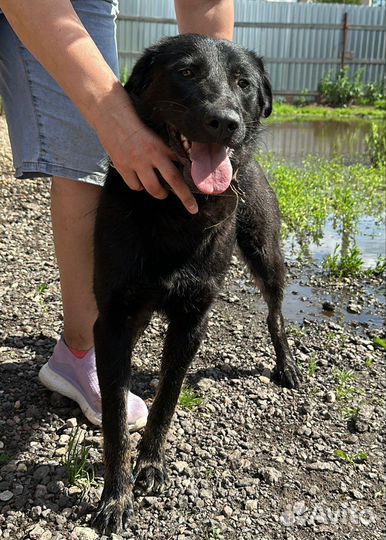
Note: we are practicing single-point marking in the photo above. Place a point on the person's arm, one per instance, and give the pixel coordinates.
(53, 33)
(213, 18)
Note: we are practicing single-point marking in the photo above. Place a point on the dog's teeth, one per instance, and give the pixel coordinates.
(183, 138)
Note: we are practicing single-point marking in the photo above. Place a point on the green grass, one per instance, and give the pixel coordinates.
(215, 534)
(343, 265)
(189, 399)
(344, 379)
(352, 459)
(319, 189)
(350, 413)
(380, 342)
(313, 366)
(287, 112)
(80, 472)
(40, 296)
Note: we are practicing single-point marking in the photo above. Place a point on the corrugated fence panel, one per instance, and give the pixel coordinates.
(300, 42)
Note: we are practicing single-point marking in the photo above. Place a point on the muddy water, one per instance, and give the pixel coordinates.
(293, 141)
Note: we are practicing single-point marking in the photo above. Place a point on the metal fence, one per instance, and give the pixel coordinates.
(299, 42)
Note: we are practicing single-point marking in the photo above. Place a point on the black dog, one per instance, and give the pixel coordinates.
(204, 97)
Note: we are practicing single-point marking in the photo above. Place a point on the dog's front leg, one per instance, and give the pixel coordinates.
(183, 338)
(262, 252)
(113, 343)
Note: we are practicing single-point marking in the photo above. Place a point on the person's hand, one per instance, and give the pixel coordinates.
(135, 151)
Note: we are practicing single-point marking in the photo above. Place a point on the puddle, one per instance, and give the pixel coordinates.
(295, 140)
(370, 239)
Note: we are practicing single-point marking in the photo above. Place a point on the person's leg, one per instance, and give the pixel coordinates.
(73, 207)
(49, 138)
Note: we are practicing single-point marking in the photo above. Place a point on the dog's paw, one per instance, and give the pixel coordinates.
(112, 514)
(149, 478)
(289, 375)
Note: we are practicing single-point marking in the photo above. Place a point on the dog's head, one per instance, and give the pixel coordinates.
(205, 98)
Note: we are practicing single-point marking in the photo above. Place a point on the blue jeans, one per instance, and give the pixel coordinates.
(48, 135)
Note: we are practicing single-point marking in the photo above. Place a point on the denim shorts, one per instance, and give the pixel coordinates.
(48, 135)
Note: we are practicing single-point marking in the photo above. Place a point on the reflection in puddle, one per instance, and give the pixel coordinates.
(295, 140)
(370, 240)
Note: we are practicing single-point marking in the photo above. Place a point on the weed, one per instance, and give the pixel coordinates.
(350, 414)
(215, 534)
(344, 379)
(285, 112)
(369, 362)
(189, 399)
(312, 366)
(39, 296)
(307, 203)
(344, 265)
(348, 90)
(353, 459)
(376, 144)
(80, 472)
(381, 343)
(295, 331)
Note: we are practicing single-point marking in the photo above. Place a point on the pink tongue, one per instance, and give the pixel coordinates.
(211, 168)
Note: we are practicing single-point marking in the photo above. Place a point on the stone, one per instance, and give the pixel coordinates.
(180, 466)
(205, 384)
(270, 475)
(71, 422)
(354, 308)
(251, 505)
(328, 306)
(6, 495)
(84, 533)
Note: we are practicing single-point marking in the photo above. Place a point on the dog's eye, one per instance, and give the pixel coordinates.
(243, 83)
(187, 73)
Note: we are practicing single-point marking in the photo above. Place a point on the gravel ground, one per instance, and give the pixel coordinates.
(252, 461)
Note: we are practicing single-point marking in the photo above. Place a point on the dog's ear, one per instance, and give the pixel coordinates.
(141, 75)
(264, 88)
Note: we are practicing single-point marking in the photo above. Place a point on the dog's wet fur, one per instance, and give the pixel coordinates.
(151, 255)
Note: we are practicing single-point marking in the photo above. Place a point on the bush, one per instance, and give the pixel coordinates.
(344, 90)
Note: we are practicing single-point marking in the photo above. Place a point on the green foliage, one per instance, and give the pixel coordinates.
(345, 90)
(353, 459)
(380, 342)
(215, 534)
(345, 388)
(319, 189)
(286, 112)
(350, 413)
(376, 144)
(379, 268)
(344, 265)
(80, 473)
(313, 366)
(189, 399)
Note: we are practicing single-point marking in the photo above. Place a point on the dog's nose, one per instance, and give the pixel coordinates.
(222, 124)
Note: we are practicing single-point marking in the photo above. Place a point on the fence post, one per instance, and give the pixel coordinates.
(344, 46)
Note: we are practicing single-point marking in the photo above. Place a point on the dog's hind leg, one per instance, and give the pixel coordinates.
(262, 252)
(115, 337)
(183, 338)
